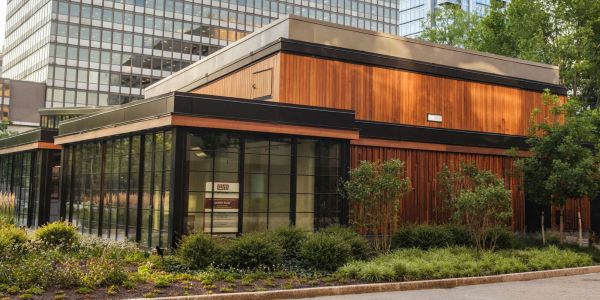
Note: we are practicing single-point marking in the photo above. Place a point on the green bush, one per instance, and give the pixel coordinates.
(325, 252)
(12, 241)
(61, 235)
(499, 237)
(198, 250)
(253, 251)
(461, 235)
(101, 271)
(170, 263)
(422, 237)
(359, 245)
(431, 236)
(289, 239)
(452, 262)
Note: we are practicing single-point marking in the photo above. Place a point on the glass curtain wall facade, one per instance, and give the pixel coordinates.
(107, 52)
(21, 199)
(245, 182)
(119, 188)
(233, 182)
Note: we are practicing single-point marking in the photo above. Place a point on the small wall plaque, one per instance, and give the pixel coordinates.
(434, 118)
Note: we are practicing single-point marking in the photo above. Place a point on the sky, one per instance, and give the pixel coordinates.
(2, 21)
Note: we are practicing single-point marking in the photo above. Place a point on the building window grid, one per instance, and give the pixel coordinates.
(197, 29)
(103, 195)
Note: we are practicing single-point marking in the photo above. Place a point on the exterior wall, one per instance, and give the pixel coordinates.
(396, 96)
(27, 193)
(388, 95)
(422, 205)
(248, 83)
(119, 188)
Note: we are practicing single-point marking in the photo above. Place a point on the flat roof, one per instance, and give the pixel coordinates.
(43, 135)
(363, 42)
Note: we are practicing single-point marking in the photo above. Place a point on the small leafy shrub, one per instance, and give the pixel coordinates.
(325, 252)
(198, 250)
(34, 291)
(253, 251)
(170, 263)
(61, 235)
(84, 290)
(289, 239)
(359, 245)
(422, 237)
(103, 272)
(461, 235)
(12, 241)
(499, 237)
(94, 246)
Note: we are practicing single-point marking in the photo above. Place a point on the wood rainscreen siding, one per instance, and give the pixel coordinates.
(247, 83)
(396, 96)
(571, 220)
(422, 205)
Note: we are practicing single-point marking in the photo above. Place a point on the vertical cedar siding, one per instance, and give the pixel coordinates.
(422, 205)
(402, 97)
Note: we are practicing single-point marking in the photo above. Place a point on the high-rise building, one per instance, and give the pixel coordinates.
(96, 53)
(414, 12)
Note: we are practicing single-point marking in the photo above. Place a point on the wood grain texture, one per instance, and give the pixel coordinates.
(422, 204)
(240, 83)
(402, 97)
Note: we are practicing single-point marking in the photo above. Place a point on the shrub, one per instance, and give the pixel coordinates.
(61, 235)
(499, 237)
(374, 192)
(12, 241)
(103, 272)
(461, 235)
(414, 264)
(359, 245)
(253, 251)
(289, 239)
(198, 250)
(94, 246)
(422, 237)
(325, 252)
(170, 263)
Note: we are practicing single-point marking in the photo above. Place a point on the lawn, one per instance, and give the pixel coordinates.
(55, 262)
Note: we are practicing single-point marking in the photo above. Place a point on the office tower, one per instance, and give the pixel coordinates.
(96, 53)
(412, 13)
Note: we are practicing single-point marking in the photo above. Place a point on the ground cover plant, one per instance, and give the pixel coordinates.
(56, 262)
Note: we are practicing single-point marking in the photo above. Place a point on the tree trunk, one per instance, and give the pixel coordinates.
(562, 225)
(543, 230)
(580, 228)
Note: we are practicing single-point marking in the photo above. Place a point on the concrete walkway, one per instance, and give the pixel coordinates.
(581, 287)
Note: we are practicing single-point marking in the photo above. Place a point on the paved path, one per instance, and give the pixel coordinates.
(581, 287)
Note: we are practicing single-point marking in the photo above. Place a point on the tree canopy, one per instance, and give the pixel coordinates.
(565, 33)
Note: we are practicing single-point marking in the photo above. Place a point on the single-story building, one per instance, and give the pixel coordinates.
(259, 134)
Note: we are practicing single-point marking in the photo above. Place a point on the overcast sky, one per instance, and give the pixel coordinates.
(2, 20)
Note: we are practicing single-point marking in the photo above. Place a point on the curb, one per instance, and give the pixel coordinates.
(390, 287)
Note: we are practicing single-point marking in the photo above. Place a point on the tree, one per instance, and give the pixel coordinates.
(449, 25)
(478, 199)
(565, 33)
(4, 132)
(374, 192)
(565, 163)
